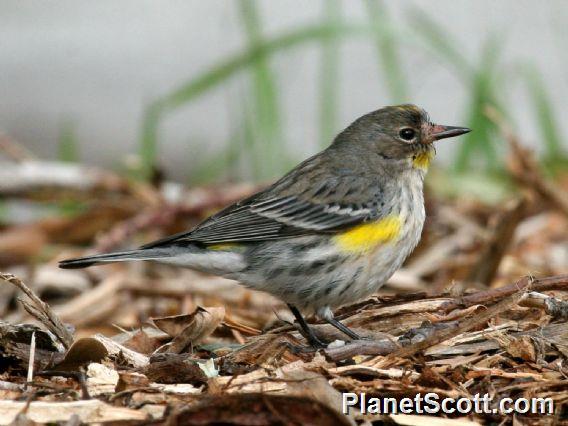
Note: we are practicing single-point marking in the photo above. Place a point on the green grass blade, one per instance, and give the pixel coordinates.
(480, 143)
(479, 146)
(387, 51)
(67, 145)
(329, 73)
(253, 158)
(267, 116)
(68, 151)
(439, 42)
(215, 166)
(544, 113)
(224, 70)
(148, 149)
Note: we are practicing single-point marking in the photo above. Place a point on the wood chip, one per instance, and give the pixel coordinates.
(90, 411)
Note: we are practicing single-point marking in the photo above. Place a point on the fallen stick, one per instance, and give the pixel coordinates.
(88, 411)
(485, 269)
(464, 325)
(525, 169)
(388, 345)
(557, 282)
(41, 311)
(30, 375)
(430, 335)
(49, 180)
(14, 150)
(554, 307)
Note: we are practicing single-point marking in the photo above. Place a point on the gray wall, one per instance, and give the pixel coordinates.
(98, 63)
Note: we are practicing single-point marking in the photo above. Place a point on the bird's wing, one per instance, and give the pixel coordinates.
(283, 211)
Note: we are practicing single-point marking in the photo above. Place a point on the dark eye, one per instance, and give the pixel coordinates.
(407, 134)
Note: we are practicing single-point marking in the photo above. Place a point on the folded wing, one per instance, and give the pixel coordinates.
(284, 210)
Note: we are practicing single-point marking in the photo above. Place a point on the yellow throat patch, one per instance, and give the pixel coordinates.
(364, 238)
(422, 160)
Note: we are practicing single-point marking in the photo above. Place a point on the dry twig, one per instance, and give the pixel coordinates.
(41, 311)
(525, 169)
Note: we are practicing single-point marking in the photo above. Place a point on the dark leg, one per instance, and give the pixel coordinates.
(343, 328)
(308, 332)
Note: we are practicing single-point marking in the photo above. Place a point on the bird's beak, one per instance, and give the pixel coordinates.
(438, 131)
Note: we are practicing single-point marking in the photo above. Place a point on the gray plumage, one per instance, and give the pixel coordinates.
(282, 239)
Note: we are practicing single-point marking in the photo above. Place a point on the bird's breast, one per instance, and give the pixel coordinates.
(400, 229)
(366, 237)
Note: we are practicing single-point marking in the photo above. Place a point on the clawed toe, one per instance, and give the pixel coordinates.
(314, 341)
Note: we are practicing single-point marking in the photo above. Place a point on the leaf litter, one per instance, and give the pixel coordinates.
(480, 307)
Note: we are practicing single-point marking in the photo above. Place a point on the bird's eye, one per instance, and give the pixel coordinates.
(407, 134)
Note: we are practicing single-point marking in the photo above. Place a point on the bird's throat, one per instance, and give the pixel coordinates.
(422, 160)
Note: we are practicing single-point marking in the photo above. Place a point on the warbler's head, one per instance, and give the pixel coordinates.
(401, 132)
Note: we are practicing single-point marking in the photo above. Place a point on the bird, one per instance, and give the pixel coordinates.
(328, 233)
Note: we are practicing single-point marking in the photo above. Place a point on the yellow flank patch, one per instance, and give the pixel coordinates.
(364, 238)
(422, 160)
(223, 246)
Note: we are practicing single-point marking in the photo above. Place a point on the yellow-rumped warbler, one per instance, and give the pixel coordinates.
(330, 232)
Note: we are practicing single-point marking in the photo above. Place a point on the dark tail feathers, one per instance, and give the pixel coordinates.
(84, 262)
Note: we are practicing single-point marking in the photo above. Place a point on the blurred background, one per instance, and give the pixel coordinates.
(243, 90)
(122, 122)
(125, 121)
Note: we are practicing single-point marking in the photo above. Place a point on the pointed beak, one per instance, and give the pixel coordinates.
(438, 131)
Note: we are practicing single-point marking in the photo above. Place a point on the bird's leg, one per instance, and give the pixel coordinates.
(308, 332)
(343, 328)
(327, 315)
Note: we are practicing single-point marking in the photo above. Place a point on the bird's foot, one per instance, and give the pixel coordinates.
(344, 329)
(314, 341)
(306, 331)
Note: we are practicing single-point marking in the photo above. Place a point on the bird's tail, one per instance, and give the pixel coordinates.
(142, 254)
